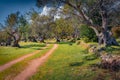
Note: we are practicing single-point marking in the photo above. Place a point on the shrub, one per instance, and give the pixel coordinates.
(87, 34)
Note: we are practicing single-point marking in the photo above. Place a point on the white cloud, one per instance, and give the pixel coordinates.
(47, 9)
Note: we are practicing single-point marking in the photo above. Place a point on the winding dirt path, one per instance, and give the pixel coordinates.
(34, 64)
(9, 64)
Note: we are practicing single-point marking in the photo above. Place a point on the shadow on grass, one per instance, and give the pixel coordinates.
(69, 43)
(90, 57)
(4, 54)
(113, 49)
(84, 51)
(37, 48)
(33, 45)
(76, 63)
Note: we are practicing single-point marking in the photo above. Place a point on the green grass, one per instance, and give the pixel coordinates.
(10, 53)
(113, 50)
(67, 63)
(11, 72)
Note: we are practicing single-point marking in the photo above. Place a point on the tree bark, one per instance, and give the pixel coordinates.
(16, 38)
(57, 39)
(106, 35)
(42, 40)
(16, 43)
(107, 39)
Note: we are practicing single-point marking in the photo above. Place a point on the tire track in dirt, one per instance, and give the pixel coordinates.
(9, 64)
(34, 64)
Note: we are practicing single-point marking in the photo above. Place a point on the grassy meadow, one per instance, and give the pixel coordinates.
(10, 53)
(72, 62)
(68, 62)
(11, 72)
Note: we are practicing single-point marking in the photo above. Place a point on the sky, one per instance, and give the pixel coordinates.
(12, 6)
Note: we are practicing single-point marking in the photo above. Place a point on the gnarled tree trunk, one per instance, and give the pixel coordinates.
(16, 43)
(16, 38)
(106, 36)
(42, 39)
(107, 39)
(57, 39)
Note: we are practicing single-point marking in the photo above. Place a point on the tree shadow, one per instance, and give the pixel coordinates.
(32, 45)
(76, 63)
(37, 48)
(90, 57)
(113, 49)
(69, 43)
(4, 54)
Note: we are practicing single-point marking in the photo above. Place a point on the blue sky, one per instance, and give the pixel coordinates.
(12, 6)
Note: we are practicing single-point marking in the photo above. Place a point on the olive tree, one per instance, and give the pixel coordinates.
(11, 28)
(62, 29)
(97, 14)
(23, 27)
(40, 25)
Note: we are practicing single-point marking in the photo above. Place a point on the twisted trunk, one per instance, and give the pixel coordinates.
(106, 37)
(16, 38)
(57, 39)
(16, 43)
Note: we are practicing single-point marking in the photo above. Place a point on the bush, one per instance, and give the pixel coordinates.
(87, 34)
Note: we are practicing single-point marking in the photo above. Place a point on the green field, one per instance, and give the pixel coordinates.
(72, 62)
(11, 72)
(10, 53)
(68, 62)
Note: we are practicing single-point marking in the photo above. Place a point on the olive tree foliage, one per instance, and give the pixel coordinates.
(87, 34)
(62, 29)
(47, 26)
(3, 36)
(32, 30)
(40, 26)
(11, 27)
(23, 27)
(97, 14)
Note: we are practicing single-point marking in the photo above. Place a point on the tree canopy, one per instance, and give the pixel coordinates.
(97, 14)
